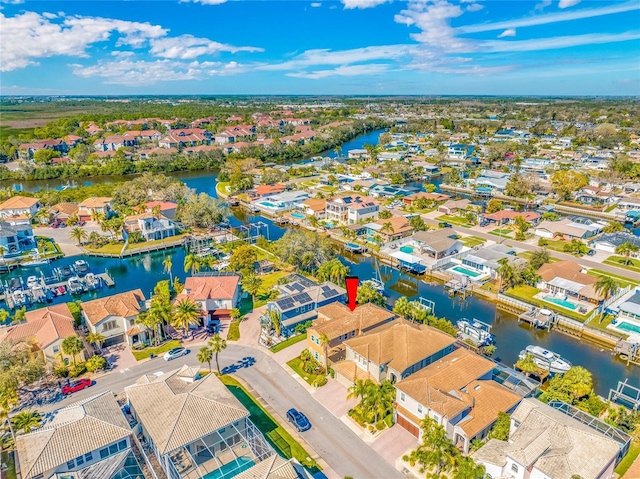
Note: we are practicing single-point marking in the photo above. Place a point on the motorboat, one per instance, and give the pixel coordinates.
(61, 290)
(75, 285)
(34, 263)
(14, 284)
(476, 331)
(38, 293)
(82, 267)
(20, 298)
(32, 281)
(66, 271)
(91, 281)
(546, 359)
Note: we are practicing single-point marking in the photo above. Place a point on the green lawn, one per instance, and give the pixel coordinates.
(621, 279)
(625, 464)
(619, 261)
(527, 255)
(555, 245)
(277, 436)
(163, 348)
(268, 282)
(288, 342)
(234, 331)
(223, 189)
(526, 293)
(471, 241)
(296, 365)
(116, 248)
(454, 220)
(502, 232)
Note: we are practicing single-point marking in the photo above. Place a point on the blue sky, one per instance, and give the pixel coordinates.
(376, 47)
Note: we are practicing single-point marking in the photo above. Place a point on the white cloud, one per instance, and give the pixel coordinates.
(316, 4)
(552, 18)
(349, 4)
(509, 32)
(554, 43)
(204, 2)
(474, 7)
(12, 2)
(131, 72)
(542, 5)
(567, 3)
(345, 71)
(188, 47)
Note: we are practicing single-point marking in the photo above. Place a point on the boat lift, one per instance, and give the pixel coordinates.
(626, 394)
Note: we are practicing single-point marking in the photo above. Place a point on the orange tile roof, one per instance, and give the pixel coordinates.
(45, 324)
(267, 189)
(336, 319)
(124, 305)
(17, 202)
(66, 208)
(567, 270)
(315, 204)
(199, 288)
(95, 202)
(488, 398)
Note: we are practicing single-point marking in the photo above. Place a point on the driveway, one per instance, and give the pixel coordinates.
(250, 328)
(394, 443)
(333, 396)
(61, 236)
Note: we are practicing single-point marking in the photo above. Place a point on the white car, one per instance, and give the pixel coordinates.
(175, 353)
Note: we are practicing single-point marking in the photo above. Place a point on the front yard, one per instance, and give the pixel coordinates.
(163, 348)
(620, 262)
(454, 220)
(622, 281)
(312, 379)
(288, 342)
(471, 241)
(502, 232)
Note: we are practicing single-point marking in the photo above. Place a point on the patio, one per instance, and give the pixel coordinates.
(561, 301)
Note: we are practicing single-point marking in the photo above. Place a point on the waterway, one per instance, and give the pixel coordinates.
(145, 271)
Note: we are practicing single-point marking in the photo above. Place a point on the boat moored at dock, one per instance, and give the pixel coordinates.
(547, 360)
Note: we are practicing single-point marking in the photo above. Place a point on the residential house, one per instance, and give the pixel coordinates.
(46, 328)
(216, 294)
(437, 244)
(454, 206)
(27, 150)
(337, 323)
(167, 208)
(224, 138)
(352, 209)
(281, 202)
(629, 204)
(509, 216)
(16, 237)
(19, 206)
(487, 259)
(262, 191)
(63, 211)
(115, 317)
(314, 207)
(609, 242)
(197, 428)
(456, 391)
(568, 278)
(393, 351)
(88, 439)
(114, 143)
(490, 181)
(300, 299)
(630, 309)
(553, 441)
(459, 151)
(568, 229)
(94, 205)
(358, 154)
(151, 227)
(436, 197)
(389, 229)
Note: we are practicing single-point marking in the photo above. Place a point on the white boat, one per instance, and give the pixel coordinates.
(75, 285)
(546, 359)
(32, 281)
(19, 298)
(82, 267)
(35, 262)
(476, 331)
(91, 281)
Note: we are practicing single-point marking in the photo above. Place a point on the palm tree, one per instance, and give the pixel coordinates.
(324, 340)
(136, 237)
(606, 287)
(217, 345)
(276, 321)
(71, 346)
(156, 211)
(388, 227)
(332, 270)
(358, 389)
(96, 339)
(97, 216)
(167, 264)
(193, 263)
(613, 227)
(78, 234)
(234, 314)
(527, 364)
(26, 421)
(185, 314)
(251, 284)
(205, 355)
(505, 273)
(626, 249)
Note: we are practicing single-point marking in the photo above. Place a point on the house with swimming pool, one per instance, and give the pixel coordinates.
(425, 249)
(628, 319)
(352, 209)
(280, 202)
(565, 284)
(482, 264)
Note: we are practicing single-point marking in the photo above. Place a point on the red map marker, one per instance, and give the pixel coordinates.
(352, 283)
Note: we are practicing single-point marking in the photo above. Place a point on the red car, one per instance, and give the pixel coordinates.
(76, 386)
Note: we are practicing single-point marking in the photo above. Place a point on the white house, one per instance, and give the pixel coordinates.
(19, 206)
(352, 209)
(216, 294)
(150, 226)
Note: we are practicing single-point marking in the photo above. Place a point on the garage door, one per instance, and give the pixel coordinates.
(113, 340)
(409, 426)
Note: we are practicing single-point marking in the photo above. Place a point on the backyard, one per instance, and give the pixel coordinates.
(269, 281)
(526, 293)
(115, 248)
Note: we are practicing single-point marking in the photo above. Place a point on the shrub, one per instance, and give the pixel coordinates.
(77, 370)
(320, 381)
(61, 372)
(543, 242)
(305, 355)
(332, 372)
(95, 363)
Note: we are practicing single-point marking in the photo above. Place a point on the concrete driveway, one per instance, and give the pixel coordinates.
(61, 236)
(394, 443)
(333, 396)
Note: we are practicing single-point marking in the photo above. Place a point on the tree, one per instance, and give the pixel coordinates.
(626, 249)
(96, 339)
(418, 224)
(95, 363)
(186, 313)
(527, 364)
(576, 247)
(606, 286)
(357, 389)
(78, 234)
(367, 293)
(202, 211)
(217, 345)
(205, 355)
(192, 262)
(26, 421)
(388, 227)
(538, 258)
(522, 226)
(251, 284)
(500, 429)
(613, 227)
(430, 187)
(435, 450)
(72, 346)
(324, 341)
(243, 258)
(505, 273)
(565, 182)
(20, 367)
(333, 270)
(167, 264)
(570, 387)
(135, 237)
(494, 205)
(385, 214)
(550, 216)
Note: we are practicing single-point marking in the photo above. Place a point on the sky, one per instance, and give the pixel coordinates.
(339, 47)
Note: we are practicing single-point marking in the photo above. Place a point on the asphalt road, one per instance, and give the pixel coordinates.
(329, 437)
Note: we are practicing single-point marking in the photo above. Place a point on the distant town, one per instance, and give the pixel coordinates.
(174, 301)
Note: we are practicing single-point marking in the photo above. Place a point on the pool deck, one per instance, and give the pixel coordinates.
(582, 307)
(616, 327)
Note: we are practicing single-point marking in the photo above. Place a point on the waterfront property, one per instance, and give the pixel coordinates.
(216, 294)
(628, 319)
(63, 211)
(300, 299)
(280, 202)
(459, 151)
(195, 426)
(151, 227)
(509, 216)
(554, 441)
(115, 317)
(16, 236)
(486, 260)
(392, 351)
(88, 439)
(567, 228)
(338, 323)
(94, 205)
(389, 229)
(458, 392)
(565, 284)
(609, 242)
(424, 248)
(451, 207)
(46, 328)
(351, 209)
(167, 208)
(314, 207)
(19, 206)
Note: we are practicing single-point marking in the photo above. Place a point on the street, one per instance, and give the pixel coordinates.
(341, 448)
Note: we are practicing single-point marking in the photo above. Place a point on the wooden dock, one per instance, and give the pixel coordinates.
(455, 286)
(137, 251)
(539, 318)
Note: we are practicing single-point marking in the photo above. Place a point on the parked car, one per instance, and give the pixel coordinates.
(81, 223)
(445, 225)
(212, 328)
(76, 386)
(591, 252)
(299, 420)
(175, 353)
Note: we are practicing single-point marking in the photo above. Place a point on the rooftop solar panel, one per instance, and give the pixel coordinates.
(302, 298)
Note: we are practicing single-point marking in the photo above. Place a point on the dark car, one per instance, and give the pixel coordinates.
(591, 252)
(299, 420)
(445, 225)
(212, 328)
(76, 386)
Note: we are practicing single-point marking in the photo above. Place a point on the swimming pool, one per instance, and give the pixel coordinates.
(268, 204)
(406, 249)
(242, 464)
(465, 271)
(300, 216)
(561, 302)
(633, 328)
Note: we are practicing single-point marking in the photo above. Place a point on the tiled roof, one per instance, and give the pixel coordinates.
(18, 202)
(95, 202)
(66, 208)
(199, 288)
(336, 319)
(124, 305)
(76, 430)
(315, 204)
(488, 399)
(567, 270)
(400, 344)
(46, 324)
(175, 409)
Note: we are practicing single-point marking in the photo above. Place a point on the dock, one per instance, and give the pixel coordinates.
(539, 318)
(455, 286)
